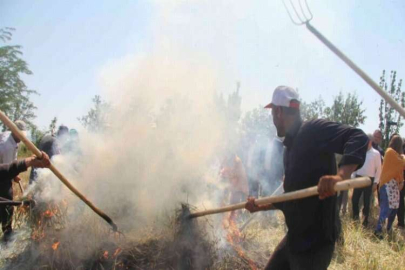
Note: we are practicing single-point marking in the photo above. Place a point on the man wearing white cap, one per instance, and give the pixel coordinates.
(8, 153)
(309, 160)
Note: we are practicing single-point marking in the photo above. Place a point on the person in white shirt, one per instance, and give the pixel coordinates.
(9, 143)
(372, 169)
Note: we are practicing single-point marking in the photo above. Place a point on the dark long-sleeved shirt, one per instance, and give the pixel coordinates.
(7, 173)
(49, 145)
(310, 154)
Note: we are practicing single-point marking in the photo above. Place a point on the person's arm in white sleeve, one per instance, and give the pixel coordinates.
(377, 162)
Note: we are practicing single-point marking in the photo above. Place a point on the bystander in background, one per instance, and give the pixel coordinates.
(391, 182)
(372, 169)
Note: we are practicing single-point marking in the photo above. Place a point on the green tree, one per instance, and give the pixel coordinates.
(346, 110)
(52, 126)
(96, 119)
(14, 95)
(313, 110)
(390, 119)
(36, 135)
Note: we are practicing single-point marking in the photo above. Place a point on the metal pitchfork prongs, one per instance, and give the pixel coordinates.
(303, 15)
(306, 18)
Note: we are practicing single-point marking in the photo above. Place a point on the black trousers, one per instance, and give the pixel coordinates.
(6, 212)
(366, 191)
(318, 258)
(401, 209)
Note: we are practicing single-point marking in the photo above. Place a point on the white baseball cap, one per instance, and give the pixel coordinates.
(284, 96)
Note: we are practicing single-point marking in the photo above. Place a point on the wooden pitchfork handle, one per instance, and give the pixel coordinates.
(356, 69)
(21, 188)
(289, 196)
(58, 174)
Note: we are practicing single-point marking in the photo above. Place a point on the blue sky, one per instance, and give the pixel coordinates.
(69, 45)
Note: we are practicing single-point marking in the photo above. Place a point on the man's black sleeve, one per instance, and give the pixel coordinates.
(11, 170)
(351, 143)
(279, 206)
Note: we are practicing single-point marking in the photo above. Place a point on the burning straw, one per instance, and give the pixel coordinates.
(170, 247)
(174, 242)
(195, 251)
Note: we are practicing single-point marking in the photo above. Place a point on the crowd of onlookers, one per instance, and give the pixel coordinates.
(386, 193)
(390, 184)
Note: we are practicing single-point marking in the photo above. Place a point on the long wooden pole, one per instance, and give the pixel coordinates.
(58, 174)
(356, 69)
(295, 195)
(21, 189)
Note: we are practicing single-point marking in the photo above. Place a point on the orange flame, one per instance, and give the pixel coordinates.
(105, 255)
(48, 213)
(234, 238)
(55, 245)
(117, 251)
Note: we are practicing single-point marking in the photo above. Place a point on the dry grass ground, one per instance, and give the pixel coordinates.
(361, 249)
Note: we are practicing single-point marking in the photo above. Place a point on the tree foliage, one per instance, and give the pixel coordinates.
(390, 119)
(14, 94)
(345, 109)
(36, 135)
(52, 125)
(96, 119)
(313, 110)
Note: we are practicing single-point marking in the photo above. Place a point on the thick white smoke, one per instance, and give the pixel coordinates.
(163, 138)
